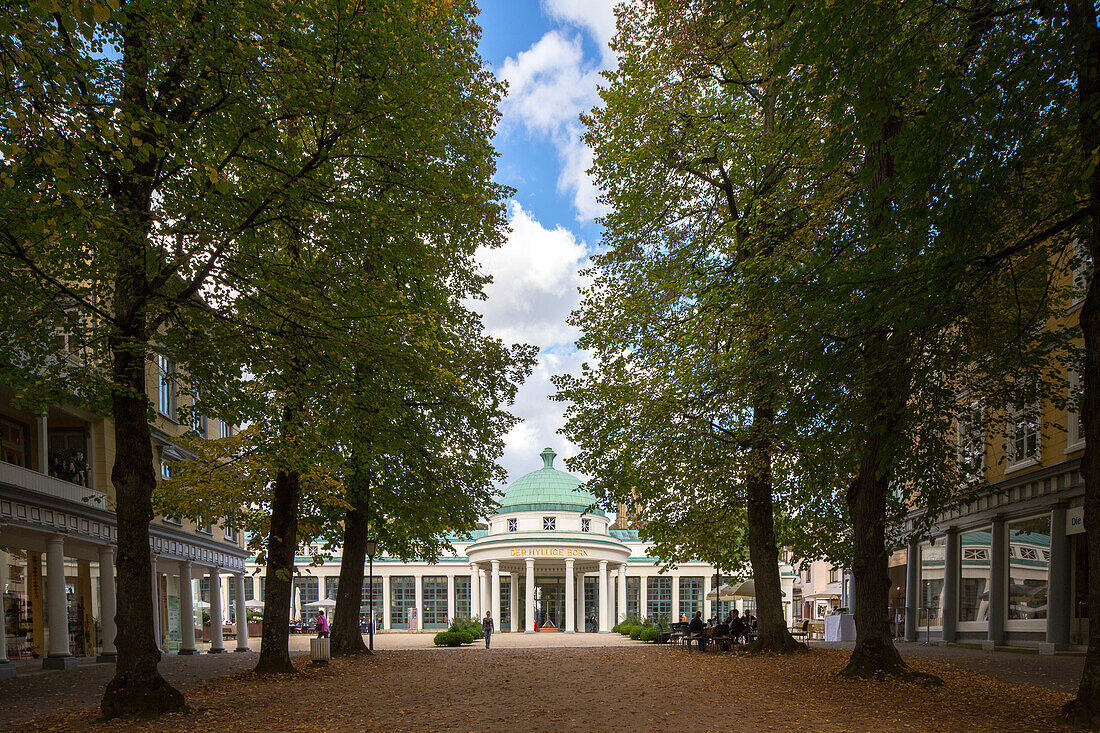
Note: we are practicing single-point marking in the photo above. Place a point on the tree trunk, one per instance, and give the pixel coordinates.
(874, 652)
(282, 545)
(137, 687)
(774, 636)
(346, 636)
(1084, 710)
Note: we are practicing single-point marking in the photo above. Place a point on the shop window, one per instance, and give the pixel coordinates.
(974, 576)
(505, 610)
(930, 612)
(332, 585)
(1028, 571)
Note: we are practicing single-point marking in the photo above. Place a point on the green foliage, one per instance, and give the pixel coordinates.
(636, 632)
(453, 638)
(255, 617)
(649, 633)
(469, 625)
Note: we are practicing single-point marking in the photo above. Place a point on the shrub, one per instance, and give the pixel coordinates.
(470, 625)
(255, 617)
(452, 638)
(636, 632)
(205, 618)
(649, 633)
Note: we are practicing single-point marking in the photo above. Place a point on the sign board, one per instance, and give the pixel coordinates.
(1075, 520)
(411, 614)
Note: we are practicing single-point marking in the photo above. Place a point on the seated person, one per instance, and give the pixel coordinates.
(737, 625)
(696, 628)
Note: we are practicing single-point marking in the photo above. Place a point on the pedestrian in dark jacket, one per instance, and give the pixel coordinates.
(487, 627)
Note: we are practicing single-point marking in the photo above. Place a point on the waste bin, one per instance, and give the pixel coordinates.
(319, 651)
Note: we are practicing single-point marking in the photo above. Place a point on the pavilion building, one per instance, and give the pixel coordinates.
(547, 560)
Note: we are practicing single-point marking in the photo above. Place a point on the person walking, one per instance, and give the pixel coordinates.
(322, 625)
(487, 627)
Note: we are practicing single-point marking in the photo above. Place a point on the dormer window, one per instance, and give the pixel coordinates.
(549, 523)
(513, 525)
(586, 525)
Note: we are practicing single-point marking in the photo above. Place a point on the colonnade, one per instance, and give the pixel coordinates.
(58, 654)
(1057, 626)
(487, 594)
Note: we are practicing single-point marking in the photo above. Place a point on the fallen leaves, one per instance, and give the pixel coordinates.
(632, 688)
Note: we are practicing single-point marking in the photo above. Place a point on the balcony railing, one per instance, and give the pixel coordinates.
(43, 484)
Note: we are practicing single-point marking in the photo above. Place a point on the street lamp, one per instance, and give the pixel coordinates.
(372, 547)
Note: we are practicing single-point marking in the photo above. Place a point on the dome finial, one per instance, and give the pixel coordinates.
(548, 456)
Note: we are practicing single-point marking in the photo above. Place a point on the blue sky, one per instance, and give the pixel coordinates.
(550, 52)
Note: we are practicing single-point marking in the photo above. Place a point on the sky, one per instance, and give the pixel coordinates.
(550, 52)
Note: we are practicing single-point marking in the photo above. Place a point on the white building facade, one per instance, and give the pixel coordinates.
(548, 562)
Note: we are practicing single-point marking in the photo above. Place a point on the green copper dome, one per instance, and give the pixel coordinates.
(547, 489)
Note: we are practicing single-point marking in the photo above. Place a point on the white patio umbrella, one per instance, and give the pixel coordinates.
(323, 603)
(747, 589)
(724, 593)
(202, 605)
(296, 605)
(254, 603)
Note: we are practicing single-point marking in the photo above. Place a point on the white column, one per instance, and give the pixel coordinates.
(643, 596)
(622, 592)
(675, 615)
(187, 610)
(483, 591)
(603, 613)
(450, 598)
(570, 597)
(419, 595)
(530, 604)
(7, 669)
(475, 591)
(242, 617)
(58, 656)
(44, 450)
(386, 622)
(707, 579)
(217, 645)
(156, 601)
(494, 592)
(107, 603)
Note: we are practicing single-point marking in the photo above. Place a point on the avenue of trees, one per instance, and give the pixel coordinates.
(285, 201)
(832, 228)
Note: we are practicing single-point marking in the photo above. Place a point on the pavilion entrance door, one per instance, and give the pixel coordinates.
(550, 602)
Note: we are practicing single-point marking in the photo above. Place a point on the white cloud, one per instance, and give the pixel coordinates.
(550, 85)
(535, 283)
(596, 16)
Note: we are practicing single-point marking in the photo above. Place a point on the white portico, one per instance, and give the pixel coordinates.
(548, 537)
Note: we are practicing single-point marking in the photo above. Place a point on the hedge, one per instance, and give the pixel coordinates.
(453, 638)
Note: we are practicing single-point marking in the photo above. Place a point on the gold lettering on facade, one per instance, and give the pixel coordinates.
(548, 552)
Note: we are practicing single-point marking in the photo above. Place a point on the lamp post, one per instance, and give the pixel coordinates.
(372, 547)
